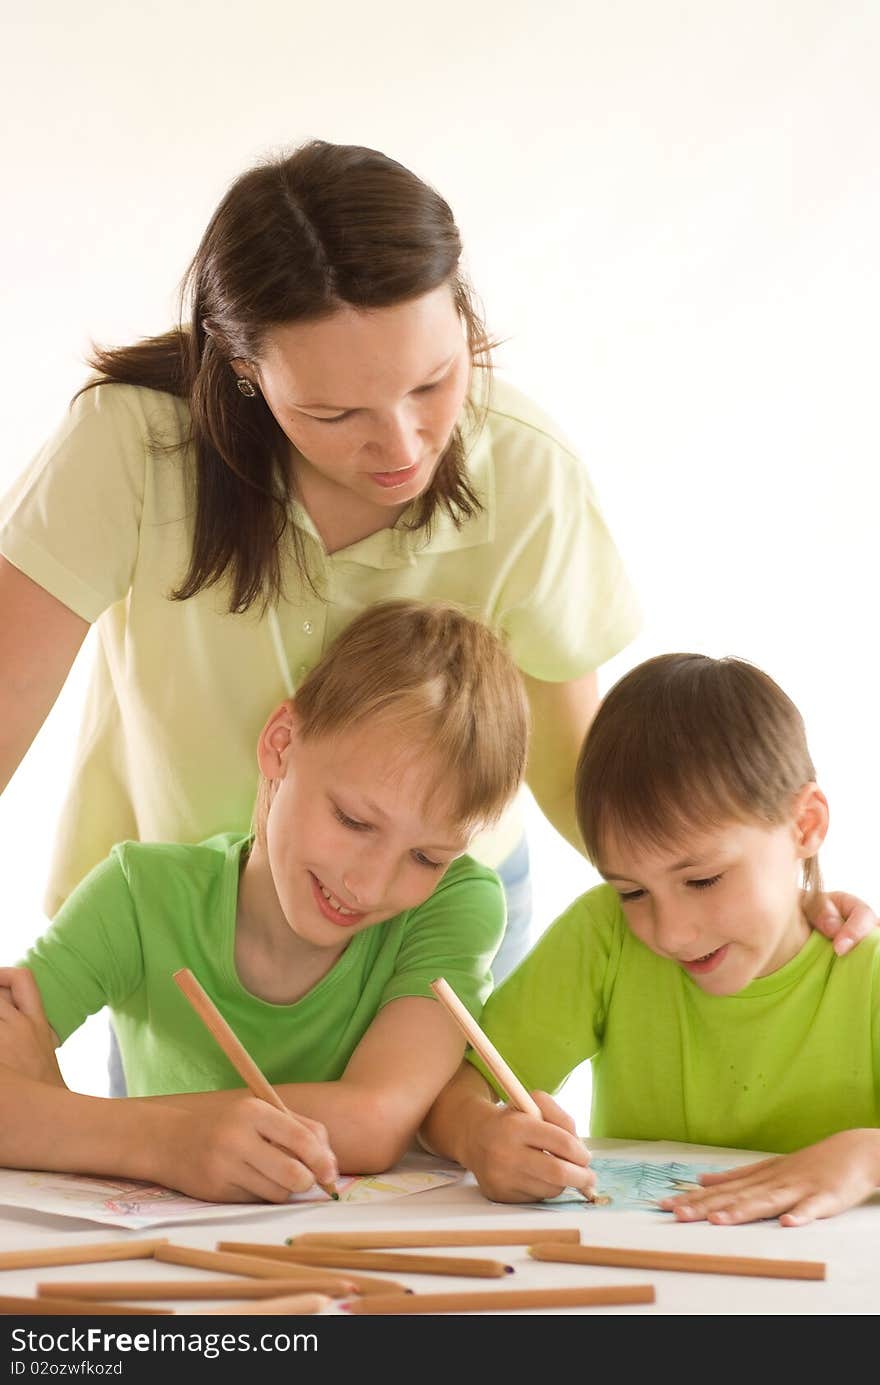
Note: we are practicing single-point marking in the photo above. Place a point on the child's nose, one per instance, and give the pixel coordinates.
(675, 932)
(369, 880)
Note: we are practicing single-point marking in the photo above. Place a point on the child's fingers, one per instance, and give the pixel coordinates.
(553, 1112)
(709, 1180)
(304, 1139)
(277, 1175)
(810, 1208)
(552, 1139)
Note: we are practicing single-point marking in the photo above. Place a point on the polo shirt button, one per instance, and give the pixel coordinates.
(302, 670)
(307, 627)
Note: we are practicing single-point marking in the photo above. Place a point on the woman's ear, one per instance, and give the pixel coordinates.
(810, 820)
(276, 739)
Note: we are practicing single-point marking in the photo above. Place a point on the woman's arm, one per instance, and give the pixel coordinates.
(372, 1113)
(39, 640)
(561, 716)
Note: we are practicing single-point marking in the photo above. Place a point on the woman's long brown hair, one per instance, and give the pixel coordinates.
(294, 239)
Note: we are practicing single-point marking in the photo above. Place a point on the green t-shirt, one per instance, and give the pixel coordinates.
(150, 909)
(787, 1061)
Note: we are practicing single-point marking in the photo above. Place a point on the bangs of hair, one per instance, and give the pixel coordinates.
(685, 742)
(438, 686)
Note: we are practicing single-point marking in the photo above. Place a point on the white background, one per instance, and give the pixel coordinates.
(671, 212)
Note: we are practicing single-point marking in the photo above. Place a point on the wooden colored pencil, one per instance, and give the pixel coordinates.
(505, 1076)
(342, 1257)
(72, 1307)
(503, 1300)
(141, 1289)
(235, 1051)
(297, 1305)
(366, 1283)
(79, 1255)
(688, 1262)
(391, 1240)
(482, 1044)
(225, 1263)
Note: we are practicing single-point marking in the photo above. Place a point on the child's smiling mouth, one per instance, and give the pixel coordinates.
(331, 907)
(699, 966)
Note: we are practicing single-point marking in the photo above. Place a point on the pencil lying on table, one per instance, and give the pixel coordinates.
(393, 1240)
(44, 1256)
(688, 1261)
(482, 1044)
(235, 1051)
(344, 1257)
(137, 1290)
(503, 1300)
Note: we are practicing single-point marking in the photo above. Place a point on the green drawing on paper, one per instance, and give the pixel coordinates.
(632, 1186)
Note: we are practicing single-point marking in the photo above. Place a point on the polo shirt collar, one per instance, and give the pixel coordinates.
(401, 546)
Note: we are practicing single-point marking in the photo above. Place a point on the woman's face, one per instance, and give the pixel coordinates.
(369, 398)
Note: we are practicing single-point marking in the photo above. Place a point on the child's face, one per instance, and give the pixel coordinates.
(349, 839)
(724, 905)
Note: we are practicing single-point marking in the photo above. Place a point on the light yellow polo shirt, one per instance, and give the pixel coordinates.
(102, 519)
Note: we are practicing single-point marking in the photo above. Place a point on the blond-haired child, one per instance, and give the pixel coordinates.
(316, 936)
(691, 980)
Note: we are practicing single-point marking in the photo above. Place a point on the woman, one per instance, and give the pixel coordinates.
(321, 434)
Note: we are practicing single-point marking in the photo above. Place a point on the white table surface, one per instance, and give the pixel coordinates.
(848, 1244)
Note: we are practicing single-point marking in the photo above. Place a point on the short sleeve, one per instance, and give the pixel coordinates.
(454, 934)
(547, 1016)
(565, 601)
(71, 521)
(90, 956)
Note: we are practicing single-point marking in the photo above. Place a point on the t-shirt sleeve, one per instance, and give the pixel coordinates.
(90, 956)
(548, 1015)
(454, 934)
(566, 603)
(71, 521)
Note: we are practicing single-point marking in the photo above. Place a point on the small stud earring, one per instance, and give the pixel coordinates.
(245, 387)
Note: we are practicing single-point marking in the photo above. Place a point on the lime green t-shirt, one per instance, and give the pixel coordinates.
(150, 909)
(787, 1061)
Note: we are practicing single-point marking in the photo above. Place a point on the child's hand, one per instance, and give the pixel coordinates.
(842, 917)
(27, 1043)
(516, 1158)
(242, 1151)
(818, 1181)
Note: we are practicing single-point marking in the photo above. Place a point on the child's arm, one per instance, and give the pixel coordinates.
(819, 1181)
(373, 1111)
(241, 1153)
(514, 1157)
(248, 1152)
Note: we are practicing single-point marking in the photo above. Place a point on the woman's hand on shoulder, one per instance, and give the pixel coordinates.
(241, 1151)
(27, 1040)
(819, 1181)
(842, 917)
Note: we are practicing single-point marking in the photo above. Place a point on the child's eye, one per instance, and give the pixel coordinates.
(705, 884)
(629, 895)
(350, 822)
(424, 860)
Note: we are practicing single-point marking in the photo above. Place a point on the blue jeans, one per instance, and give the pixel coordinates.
(516, 879)
(517, 882)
